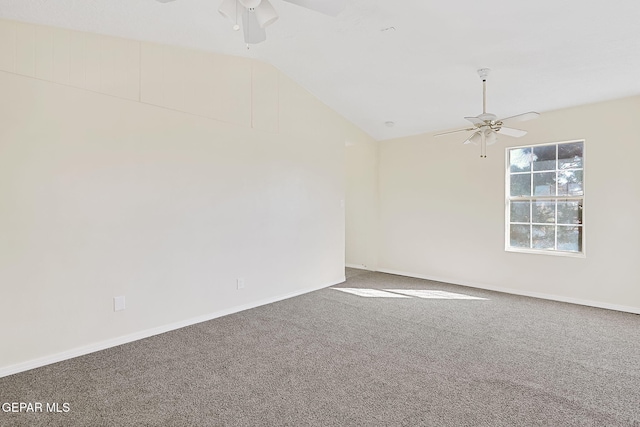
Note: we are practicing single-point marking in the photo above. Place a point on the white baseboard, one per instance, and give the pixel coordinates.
(578, 301)
(358, 266)
(103, 345)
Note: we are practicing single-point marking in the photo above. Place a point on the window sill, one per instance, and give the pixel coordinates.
(544, 252)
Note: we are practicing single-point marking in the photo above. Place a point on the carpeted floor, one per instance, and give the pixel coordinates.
(403, 357)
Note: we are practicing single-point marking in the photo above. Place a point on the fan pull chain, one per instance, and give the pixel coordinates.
(483, 146)
(236, 26)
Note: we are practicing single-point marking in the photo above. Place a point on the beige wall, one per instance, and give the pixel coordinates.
(160, 174)
(442, 210)
(361, 214)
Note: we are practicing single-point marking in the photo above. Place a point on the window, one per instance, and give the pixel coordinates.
(545, 198)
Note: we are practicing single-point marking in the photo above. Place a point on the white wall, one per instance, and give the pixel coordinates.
(442, 210)
(160, 174)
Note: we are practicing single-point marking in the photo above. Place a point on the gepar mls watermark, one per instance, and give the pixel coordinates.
(36, 407)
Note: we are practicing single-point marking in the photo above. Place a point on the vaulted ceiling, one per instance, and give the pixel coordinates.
(410, 62)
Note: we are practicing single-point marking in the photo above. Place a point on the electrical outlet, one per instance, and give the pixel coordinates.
(240, 282)
(119, 303)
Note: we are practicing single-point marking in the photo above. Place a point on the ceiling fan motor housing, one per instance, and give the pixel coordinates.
(488, 118)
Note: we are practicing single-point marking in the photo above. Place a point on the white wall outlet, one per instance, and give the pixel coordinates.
(119, 303)
(240, 282)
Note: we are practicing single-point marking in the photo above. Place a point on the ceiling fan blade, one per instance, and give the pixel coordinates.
(474, 139)
(475, 120)
(253, 33)
(328, 7)
(517, 133)
(454, 131)
(521, 117)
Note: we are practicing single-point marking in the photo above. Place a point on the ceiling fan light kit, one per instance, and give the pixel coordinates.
(256, 15)
(486, 126)
(266, 14)
(250, 4)
(253, 32)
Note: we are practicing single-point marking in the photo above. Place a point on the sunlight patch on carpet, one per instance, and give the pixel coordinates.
(406, 293)
(430, 294)
(370, 293)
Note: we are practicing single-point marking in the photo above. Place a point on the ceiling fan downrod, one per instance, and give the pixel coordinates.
(484, 73)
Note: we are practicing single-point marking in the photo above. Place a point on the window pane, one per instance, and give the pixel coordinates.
(520, 211)
(569, 238)
(521, 185)
(570, 183)
(519, 236)
(569, 212)
(544, 236)
(544, 158)
(544, 212)
(570, 155)
(544, 184)
(520, 159)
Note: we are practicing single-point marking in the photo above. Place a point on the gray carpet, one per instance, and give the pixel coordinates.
(331, 358)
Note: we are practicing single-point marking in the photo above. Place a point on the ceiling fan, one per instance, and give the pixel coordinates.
(486, 126)
(256, 15)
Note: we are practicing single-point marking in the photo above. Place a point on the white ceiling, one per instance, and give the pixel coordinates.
(421, 73)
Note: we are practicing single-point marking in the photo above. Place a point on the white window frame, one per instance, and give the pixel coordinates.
(508, 198)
